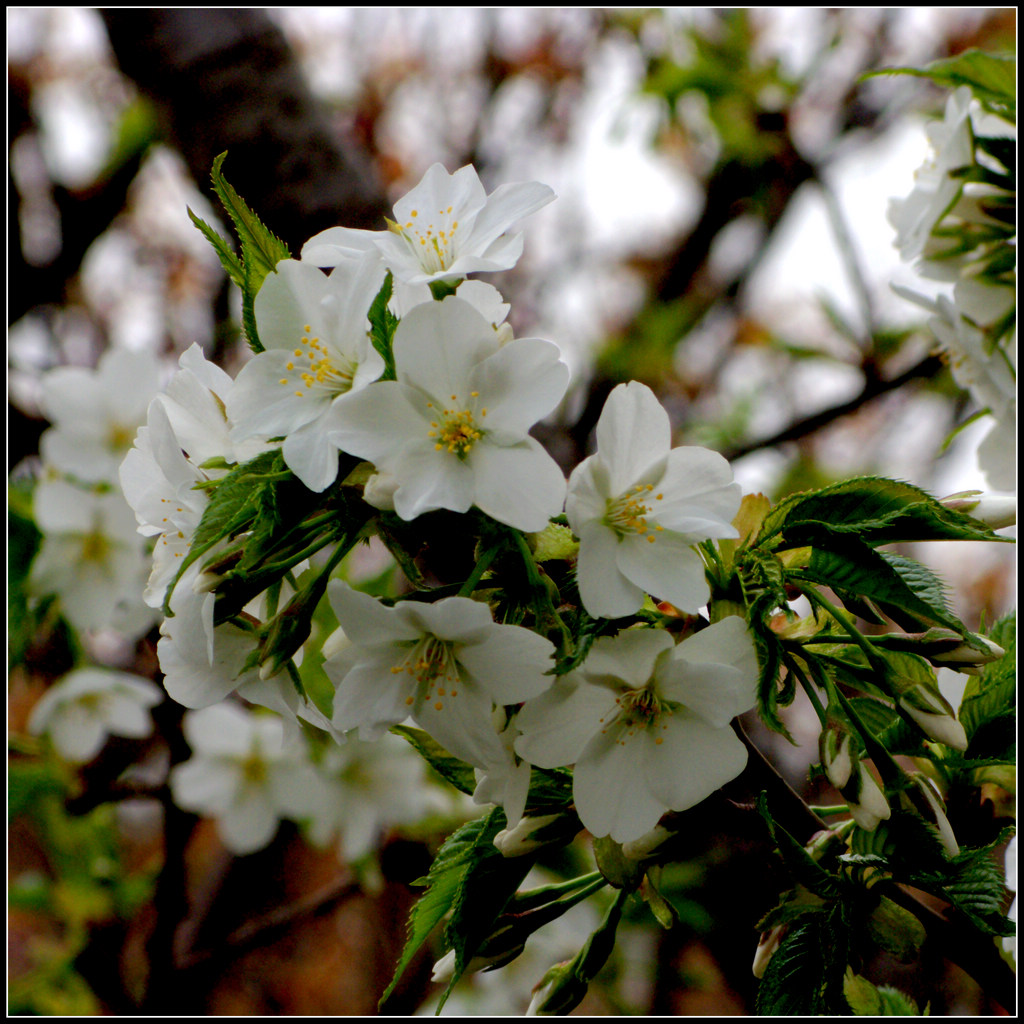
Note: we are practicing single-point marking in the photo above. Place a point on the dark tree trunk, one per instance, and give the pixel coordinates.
(226, 79)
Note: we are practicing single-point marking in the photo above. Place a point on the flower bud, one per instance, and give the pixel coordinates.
(380, 492)
(934, 716)
(335, 644)
(835, 751)
(866, 800)
(766, 947)
(924, 798)
(965, 658)
(559, 991)
(648, 844)
(492, 954)
(994, 510)
(529, 835)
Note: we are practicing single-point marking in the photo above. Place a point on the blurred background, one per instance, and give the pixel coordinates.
(720, 233)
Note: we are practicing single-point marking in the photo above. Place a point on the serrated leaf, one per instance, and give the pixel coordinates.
(261, 249)
(797, 979)
(876, 509)
(451, 865)
(382, 327)
(888, 726)
(457, 772)
(993, 693)
(487, 887)
(550, 789)
(233, 505)
(869, 1000)
(470, 879)
(805, 870)
(904, 588)
(991, 77)
(228, 260)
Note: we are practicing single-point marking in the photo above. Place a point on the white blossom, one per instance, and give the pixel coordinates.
(80, 711)
(445, 665)
(96, 413)
(242, 773)
(91, 557)
(452, 430)
(638, 505)
(646, 723)
(444, 228)
(935, 190)
(315, 332)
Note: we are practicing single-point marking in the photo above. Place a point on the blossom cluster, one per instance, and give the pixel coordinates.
(439, 419)
(958, 226)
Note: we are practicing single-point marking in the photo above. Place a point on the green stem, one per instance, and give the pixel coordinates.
(544, 893)
(807, 687)
(814, 596)
(479, 569)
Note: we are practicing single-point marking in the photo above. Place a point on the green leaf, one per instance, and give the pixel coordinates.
(228, 260)
(487, 887)
(796, 982)
(27, 782)
(261, 250)
(448, 872)
(888, 726)
(902, 587)
(991, 77)
(473, 882)
(450, 768)
(869, 1000)
(993, 693)
(382, 327)
(875, 509)
(550, 790)
(234, 505)
(805, 870)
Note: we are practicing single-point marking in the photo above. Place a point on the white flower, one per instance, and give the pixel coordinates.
(96, 413)
(935, 191)
(451, 431)
(91, 556)
(507, 780)
(444, 664)
(242, 774)
(195, 401)
(317, 353)
(368, 788)
(638, 505)
(159, 484)
(646, 723)
(85, 707)
(201, 663)
(445, 228)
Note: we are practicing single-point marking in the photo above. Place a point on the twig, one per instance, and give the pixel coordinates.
(258, 929)
(873, 388)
